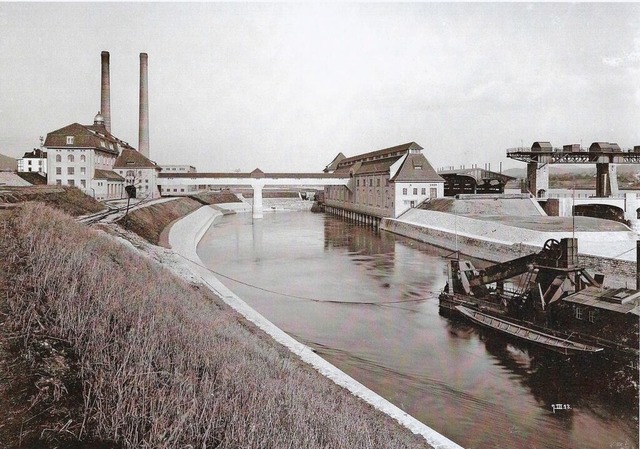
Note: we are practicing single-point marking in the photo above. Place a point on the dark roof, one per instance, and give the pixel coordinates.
(130, 158)
(409, 172)
(108, 175)
(37, 153)
(378, 166)
(545, 145)
(476, 173)
(85, 136)
(334, 163)
(618, 300)
(398, 150)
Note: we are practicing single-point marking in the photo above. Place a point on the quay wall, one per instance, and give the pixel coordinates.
(496, 242)
(184, 236)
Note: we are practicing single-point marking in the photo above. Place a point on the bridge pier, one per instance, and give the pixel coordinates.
(257, 200)
(537, 179)
(606, 180)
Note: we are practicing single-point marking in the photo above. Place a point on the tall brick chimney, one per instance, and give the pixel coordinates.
(143, 129)
(105, 91)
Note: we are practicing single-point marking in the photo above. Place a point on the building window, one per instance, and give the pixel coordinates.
(71, 182)
(69, 140)
(423, 191)
(415, 191)
(58, 170)
(592, 315)
(83, 158)
(103, 144)
(357, 183)
(83, 183)
(70, 158)
(433, 192)
(58, 158)
(83, 170)
(578, 312)
(58, 182)
(404, 191)
(378, 182)
(70, 170)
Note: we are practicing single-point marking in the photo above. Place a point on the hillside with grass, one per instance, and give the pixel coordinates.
(101, 348)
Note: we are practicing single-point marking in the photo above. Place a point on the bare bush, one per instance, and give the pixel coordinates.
(160, 364)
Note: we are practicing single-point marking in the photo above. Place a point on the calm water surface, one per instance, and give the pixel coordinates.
(367, 302)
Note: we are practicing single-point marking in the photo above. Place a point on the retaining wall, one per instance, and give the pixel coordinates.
(487, 241)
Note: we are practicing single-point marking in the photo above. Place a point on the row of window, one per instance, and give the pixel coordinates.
(70, 158)
(103, 143)
(72, 182)
(169, 190)
(433, 192)
(364, 182)
(71, 170)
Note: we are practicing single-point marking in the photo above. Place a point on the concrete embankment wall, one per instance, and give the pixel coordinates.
(496, 242)
(184, 237)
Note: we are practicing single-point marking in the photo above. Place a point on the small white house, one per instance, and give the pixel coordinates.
(33, 161)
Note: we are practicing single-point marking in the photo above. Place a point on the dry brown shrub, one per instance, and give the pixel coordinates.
(161, 365)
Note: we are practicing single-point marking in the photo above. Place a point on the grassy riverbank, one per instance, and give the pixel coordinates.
(111, 350)
(149, 222)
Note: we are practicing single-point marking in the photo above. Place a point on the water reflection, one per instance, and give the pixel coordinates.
(384, 328)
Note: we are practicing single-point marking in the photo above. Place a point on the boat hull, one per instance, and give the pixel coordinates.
(548, 341)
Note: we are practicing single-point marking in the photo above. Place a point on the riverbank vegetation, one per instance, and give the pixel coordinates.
(103, 348)
(68, 199)
(149, 222)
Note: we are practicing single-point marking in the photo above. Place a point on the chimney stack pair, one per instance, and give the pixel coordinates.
(105, 100)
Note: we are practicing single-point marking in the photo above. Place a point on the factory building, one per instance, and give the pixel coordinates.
(383, 183)
(94, 160)
(138, 172)
(83, 156)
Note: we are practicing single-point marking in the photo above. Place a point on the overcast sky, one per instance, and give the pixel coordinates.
(285, 87)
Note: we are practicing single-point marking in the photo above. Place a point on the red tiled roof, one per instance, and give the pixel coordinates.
(130, 158)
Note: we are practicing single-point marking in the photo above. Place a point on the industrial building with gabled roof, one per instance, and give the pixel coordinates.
(138, 171)
(82, 155)
(384, 183)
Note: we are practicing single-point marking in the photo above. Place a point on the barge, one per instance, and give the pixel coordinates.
(549, 300)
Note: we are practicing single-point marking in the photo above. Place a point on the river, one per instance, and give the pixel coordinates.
(366, 301)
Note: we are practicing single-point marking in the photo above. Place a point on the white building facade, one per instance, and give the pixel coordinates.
(33, 161)
(83, 156)
(138, 172)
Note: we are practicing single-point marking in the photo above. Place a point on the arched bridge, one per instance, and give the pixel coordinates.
(257, 179)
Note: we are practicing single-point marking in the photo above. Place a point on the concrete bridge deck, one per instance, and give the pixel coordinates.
(257, 180)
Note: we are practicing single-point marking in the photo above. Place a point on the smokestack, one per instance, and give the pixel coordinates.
(638, 265)
(105, 91)
(143, 130)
